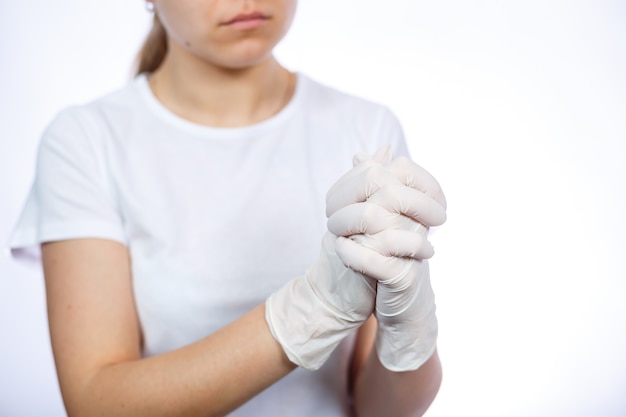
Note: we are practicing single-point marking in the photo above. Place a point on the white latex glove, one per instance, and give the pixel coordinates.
(399, 185)
(405, 302)
(383, 239)
(311, 314)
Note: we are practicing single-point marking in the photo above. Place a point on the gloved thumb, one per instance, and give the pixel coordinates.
(383, 156)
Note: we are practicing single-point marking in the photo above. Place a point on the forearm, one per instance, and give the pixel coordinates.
(208, 378)
(380, 392)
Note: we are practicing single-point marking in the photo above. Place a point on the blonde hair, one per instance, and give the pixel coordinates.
(153, 50)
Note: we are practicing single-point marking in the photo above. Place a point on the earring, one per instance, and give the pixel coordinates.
(150, 6)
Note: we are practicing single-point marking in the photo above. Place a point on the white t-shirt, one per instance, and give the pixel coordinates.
(215, 219)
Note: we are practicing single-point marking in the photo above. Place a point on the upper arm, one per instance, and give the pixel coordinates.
(91, 310)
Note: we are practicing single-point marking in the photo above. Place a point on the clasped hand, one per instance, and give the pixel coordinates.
(372, 260)
(381, 211)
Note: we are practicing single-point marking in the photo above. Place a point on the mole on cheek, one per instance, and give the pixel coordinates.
(187, 43)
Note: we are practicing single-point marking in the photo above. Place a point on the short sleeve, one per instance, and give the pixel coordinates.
(72, 195)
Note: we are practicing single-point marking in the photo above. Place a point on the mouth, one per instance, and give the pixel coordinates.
(246, 20)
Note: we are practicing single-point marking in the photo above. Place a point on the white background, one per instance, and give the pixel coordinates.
(518, 108)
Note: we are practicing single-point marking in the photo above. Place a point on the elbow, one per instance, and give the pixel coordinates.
(93, 395)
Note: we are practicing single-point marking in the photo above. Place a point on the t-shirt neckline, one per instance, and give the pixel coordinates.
(171, 118)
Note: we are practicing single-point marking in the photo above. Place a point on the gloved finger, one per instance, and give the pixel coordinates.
(358, 185)
(385, 269)
(411, 202)
(360, 218)
(383, 156)
(399, 243)
(414, 176)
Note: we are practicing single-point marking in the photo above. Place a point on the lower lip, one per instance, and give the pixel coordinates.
(247, 24)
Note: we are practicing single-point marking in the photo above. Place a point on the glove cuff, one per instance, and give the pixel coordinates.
(308, 330)
(408, 345)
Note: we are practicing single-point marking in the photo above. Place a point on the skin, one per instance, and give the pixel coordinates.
(96, 340)
(219, 77)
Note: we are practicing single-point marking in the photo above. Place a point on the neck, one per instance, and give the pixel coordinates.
(222, 97)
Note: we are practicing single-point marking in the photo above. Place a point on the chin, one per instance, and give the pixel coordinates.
(245, 54)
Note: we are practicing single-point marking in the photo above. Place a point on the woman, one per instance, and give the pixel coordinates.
(180, 219)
